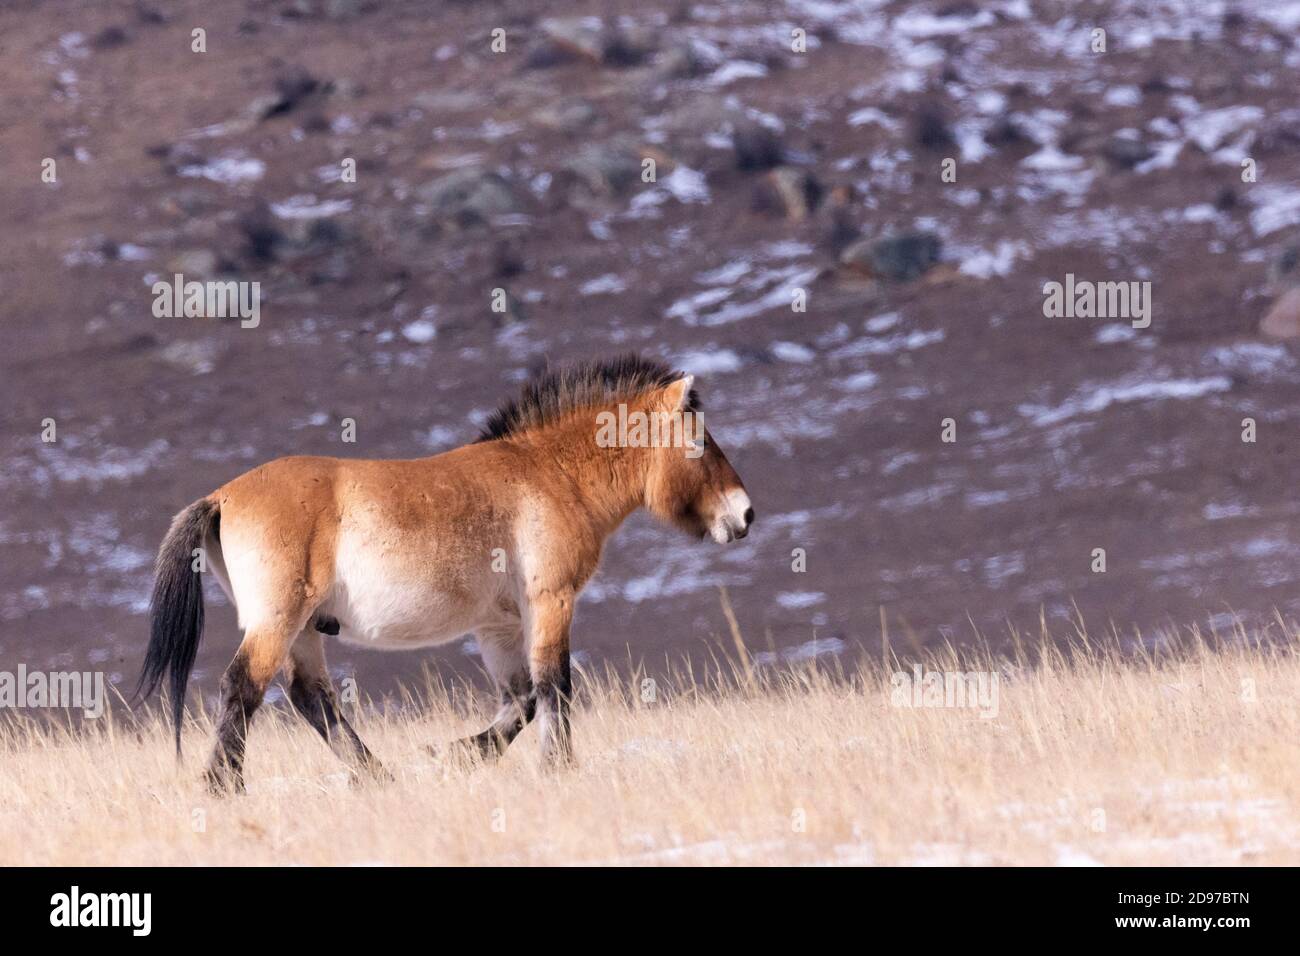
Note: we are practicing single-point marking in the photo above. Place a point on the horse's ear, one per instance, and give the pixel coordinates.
(678, 393)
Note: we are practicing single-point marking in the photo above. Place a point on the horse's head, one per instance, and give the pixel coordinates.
(690, 483)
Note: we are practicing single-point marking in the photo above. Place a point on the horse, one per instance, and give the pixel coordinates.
(495, 538)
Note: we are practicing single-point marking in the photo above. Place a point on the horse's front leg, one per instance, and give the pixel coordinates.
(549, 616)
(503, 655)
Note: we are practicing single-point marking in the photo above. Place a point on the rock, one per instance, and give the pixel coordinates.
(1006, 132)
(899, 258)
(198, 357)
(451, 101)
(292, 85)
(589, 39)
(1284, 271)
(261, 233)
(629, 46)
(149, 13)
(468, 197)
(345, 9)
(545, 54)
(176, 156)
(1283, 319)
(1155, 85)
(337, 267)
(507, 259)
(756, 146)
(569, 115)
(329, 9)
(1125, 152)
(931, 129)
(110, 37)
(1279, 133)
(604, 169)
(681, 62)
(796, 191)
(301, 237)
(197, 264)
(581, 36)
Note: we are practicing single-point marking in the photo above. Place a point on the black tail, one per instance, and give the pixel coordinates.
(176, 608)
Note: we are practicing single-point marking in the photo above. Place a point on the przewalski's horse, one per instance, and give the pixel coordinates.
(496, 538)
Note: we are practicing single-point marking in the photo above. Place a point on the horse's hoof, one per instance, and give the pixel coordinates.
(223, 784)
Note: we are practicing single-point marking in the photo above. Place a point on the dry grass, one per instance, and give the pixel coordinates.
(1191, 756)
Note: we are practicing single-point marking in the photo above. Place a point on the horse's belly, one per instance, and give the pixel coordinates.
(393, 604)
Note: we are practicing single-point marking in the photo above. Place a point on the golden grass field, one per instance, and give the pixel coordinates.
(1188, 755)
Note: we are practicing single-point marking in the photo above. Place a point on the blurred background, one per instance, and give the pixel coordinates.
(797, 146)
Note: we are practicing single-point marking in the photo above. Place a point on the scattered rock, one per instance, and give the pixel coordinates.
(629, 46)
(149, 13)
(176, 156)
(507, 259)
(683, 61)
(292, 85)
(1279, 133)
(603, 169)
(1283, 319)
(544, 54)
(1155, 86)
(899, 258)
(197, 264)
(110, 37)
(1284, 271)
(329, 9)
(198, 357)
(569, 115)
(588, 39)
(468, 197)
(1125, 152)
(302, 237)
(931, 129)
(796, 192)
(1006, 132)
(580, 36)
(756, 146)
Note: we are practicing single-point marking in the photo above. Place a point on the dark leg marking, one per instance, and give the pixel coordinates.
(518, 707)
(554, 692)
(314, 698)
(240, 698)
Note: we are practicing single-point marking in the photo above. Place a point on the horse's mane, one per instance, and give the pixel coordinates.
(554, 393)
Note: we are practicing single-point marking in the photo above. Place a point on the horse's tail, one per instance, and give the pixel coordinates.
(176, 607)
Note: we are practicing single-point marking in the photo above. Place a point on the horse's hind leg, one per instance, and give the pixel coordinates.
(503, 655)
(312, 693)
(260, 655)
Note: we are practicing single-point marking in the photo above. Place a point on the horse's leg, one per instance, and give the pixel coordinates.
(503, 655)
(549, 616)
(260, 655)
(312, 694)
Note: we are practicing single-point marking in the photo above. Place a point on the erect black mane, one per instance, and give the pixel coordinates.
(556, 392)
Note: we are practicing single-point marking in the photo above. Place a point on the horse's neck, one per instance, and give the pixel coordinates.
(609, 482)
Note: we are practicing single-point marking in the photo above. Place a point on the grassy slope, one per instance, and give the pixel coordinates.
(1189, 757)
